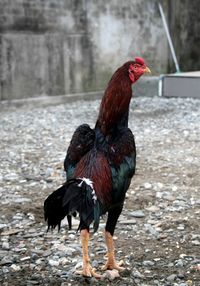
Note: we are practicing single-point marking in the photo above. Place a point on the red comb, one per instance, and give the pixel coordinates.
(139, 60)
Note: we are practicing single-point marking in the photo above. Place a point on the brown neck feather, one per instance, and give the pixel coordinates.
(115, 102)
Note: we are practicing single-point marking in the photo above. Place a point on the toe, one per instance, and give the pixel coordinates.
(113, 265)
(89, 273)
(95, 275)
(83, 273)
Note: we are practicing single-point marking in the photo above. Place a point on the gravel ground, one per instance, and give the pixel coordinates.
(158, 235)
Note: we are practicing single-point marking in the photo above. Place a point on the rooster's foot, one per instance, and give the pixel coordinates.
(88, 271)
(110, 265)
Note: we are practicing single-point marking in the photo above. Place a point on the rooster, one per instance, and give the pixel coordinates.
(99, 164)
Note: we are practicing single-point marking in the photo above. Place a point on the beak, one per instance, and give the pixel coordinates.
(147, 70)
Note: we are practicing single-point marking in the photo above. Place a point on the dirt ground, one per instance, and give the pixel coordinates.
(158, 234)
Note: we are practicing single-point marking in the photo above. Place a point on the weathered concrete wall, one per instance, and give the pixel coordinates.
(184, 19)
(121, 30)
(58, 47)
(44, 48)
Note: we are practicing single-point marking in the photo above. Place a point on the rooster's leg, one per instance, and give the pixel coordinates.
(111, 263)
(87, 271)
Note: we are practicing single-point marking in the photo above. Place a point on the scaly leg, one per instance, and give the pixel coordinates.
(113, 216)
(87, 271)
(111, 262)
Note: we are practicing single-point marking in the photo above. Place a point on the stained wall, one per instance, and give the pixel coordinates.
(54, 47)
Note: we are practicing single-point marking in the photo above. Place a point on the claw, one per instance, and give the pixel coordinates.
(110, 265)
(88, 272)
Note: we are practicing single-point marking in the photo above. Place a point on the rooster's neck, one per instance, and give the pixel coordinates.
(114, 107)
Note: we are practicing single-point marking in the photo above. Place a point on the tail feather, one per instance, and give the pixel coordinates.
(76, 195)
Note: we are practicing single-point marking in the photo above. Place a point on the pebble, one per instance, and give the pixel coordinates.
(128, 221)
(2, 225)
(35, 276)
(137, 214)
(181, 227)
(181, 276)
(32, 282)
(40, 261)
(195, 242)
(53, 262)
(111, 274)
(179, 263)
(171, 278)
(152, 230)
(6, 260)
(135, 273)
(147, 186)
(174, 188)
(79, 265)
(63, 261)
(153, 209)
(11, 177)
(5, 245)
(25, 258)
(72, 236)
(46, 253)
(22, 200)
(196, 236)
(15, 267)
(148, 263)
(65, 249)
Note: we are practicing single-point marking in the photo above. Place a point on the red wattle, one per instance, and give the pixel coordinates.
(132, 77)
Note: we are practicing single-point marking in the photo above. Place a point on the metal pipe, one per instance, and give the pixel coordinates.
(168, 37)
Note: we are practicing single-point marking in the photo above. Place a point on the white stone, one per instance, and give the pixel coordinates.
(53, 262)
(15, 267)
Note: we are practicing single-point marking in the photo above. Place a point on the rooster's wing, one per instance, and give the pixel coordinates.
(81, 143)
(123, 163)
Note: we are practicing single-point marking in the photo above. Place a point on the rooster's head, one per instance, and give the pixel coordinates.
(137, 68)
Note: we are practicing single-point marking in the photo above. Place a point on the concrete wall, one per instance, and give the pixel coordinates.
(58, 47)
(44, 48)
(184, 19)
